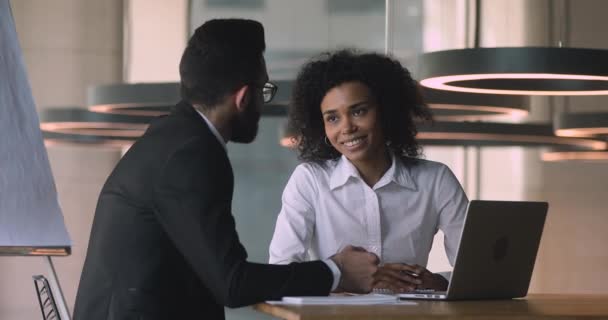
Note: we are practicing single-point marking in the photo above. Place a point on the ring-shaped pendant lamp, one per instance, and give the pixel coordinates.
(501, 134)
(584, 156)
(463, 106)
(458, 106)
(581, 124)
(517, 71)
(155, 99)
(486, 134)
(137, 99)
(76, 125)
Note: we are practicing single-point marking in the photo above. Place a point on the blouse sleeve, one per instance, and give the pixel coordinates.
(452, 204)
(295, 224)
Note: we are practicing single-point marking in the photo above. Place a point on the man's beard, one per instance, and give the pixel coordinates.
(245, 125)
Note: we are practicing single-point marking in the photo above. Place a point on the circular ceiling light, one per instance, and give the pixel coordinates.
(138, 99)
(75, 125)
(581, 124)
(500, 134)
(585, 156)
(517, 71)
(463, 106)
(156, 99)
(487, 134)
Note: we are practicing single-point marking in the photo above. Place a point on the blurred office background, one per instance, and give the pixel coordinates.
(70, 45)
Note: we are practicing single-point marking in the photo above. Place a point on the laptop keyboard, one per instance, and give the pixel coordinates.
(388, 291)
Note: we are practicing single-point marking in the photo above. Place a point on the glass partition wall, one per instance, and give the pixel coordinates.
(298, 30)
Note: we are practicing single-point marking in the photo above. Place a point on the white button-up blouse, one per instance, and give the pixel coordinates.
(327, 207)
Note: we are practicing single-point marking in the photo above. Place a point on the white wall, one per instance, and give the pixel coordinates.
(67, 45)
(155, 37)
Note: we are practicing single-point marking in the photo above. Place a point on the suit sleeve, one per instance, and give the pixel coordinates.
(193, 204)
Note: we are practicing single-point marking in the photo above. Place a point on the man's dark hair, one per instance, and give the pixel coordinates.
(396, 93)
(221, 56)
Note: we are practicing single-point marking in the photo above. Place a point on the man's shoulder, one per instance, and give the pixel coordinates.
(177, 126)
(169, 138)
(175, 131)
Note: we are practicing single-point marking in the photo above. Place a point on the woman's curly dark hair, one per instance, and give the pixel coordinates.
(396, 93)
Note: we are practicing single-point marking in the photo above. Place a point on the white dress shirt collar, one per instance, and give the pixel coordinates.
(396, 173)
(213, 129)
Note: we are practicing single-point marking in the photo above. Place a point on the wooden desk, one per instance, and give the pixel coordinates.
(546, 306)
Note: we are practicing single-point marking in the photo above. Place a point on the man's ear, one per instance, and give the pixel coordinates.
(241, 98)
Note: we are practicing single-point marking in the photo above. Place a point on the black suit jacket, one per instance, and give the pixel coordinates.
(163, 243)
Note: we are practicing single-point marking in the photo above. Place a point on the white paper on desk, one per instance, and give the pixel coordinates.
(366, 299)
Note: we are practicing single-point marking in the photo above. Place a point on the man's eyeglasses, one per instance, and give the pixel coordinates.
(269, 90)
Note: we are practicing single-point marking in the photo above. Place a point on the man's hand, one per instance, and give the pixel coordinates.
(400, 277)
(357, 267)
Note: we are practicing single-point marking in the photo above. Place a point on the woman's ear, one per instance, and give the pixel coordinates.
(241, 98)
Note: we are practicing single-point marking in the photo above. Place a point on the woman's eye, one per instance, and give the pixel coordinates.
(331, 118)
(359, 112)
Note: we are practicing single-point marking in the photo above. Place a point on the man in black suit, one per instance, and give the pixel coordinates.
(163, 243)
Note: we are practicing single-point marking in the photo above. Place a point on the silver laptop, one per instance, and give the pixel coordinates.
(496, 254)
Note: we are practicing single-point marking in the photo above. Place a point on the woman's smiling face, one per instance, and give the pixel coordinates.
(352, 123)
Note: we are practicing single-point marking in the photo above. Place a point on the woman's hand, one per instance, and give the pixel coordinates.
(431, 280)
(396, 277)
(400, 277)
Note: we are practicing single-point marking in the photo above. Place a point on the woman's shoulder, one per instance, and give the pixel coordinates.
(315, 171)
(431, 173)
(324, 167)
(423, 166)
(310, 177)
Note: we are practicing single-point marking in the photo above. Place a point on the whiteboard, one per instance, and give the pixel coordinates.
(31, 222)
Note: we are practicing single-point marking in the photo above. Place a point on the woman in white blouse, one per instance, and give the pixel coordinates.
(361, 182)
